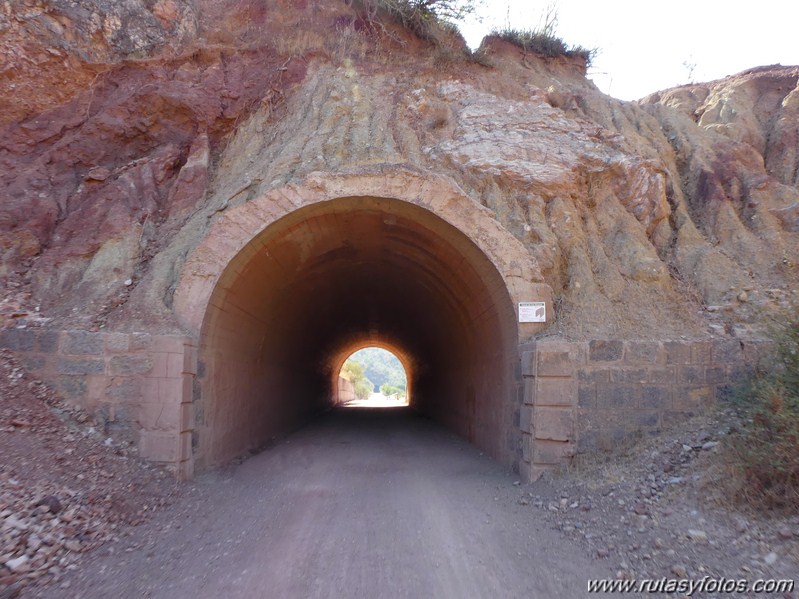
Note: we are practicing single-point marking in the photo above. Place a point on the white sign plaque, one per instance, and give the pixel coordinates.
(532, 312)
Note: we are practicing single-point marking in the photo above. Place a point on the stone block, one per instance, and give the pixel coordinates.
(80, 366)
(592, 375)
(185, 445)
(555, 392)
(643, 352)
(610, 419)
(19, 340)
(629, 375)
(176, 364)
(168, 344)
(139, 341)
(126, 390)
(117, 342)
(586, 396)
(527, 448)
(664, 375)
(32, 362)
(551, 452)
(656, 397)
(47, 341)
(605, 351)
(529, 391)
(553, 424)
(588, 442)
(157, 416)
(170, 390)
(186, 470)
(613, 395)
(690, 375)
(190, 360)
(677, 352)
(130, 364)
(554, 363)
(535, 471)
(83, 342)
(701, 352)
(716, 374)
(526, 418)
(528, 363)
(160, 446)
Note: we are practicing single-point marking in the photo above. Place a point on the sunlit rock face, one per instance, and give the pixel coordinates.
(127, 128)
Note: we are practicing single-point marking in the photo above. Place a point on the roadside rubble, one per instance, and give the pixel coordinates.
(66, 487)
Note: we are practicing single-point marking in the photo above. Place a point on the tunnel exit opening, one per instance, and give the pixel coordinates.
(372, 377)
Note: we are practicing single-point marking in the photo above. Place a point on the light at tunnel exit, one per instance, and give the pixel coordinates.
(372, 377)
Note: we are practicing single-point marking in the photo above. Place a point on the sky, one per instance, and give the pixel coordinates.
(646, 46)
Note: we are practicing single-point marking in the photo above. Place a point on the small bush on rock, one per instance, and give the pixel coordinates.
(431, 20)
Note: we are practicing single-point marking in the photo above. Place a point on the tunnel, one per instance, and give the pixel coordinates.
(329, 278)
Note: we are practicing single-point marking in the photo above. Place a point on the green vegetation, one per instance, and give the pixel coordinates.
(381, 367)
(767, 447)
(389, 390)
(354, 372)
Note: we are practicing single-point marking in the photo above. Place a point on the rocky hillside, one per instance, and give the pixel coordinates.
(125, 126)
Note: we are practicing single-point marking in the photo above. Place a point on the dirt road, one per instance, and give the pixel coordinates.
(361, 503)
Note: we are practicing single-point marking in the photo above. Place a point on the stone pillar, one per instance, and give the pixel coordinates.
(550, 402)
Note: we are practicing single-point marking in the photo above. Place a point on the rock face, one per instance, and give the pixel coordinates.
(126, 127)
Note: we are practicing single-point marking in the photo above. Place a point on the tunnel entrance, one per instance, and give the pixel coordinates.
(283, 288)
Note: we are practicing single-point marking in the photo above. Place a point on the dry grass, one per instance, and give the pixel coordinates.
(544, 43)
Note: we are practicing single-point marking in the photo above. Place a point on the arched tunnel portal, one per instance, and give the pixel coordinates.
(308, 284)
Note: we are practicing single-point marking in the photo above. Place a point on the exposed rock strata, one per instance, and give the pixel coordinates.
(122, 142)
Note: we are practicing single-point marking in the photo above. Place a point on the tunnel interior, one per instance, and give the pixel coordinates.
(336, 276)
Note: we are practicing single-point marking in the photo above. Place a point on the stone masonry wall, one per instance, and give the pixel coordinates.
(138, 386)
(583, 397)
(579, 397)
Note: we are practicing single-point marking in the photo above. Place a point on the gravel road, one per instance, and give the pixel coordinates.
(360, 503)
